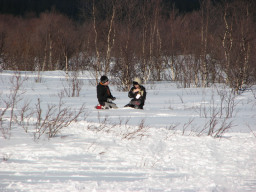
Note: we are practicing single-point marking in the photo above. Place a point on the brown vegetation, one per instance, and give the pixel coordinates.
(134, 38)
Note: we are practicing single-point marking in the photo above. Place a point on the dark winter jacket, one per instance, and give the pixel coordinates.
(142, 92)
(103, 93)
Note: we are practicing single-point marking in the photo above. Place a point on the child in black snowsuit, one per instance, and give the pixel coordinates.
(138, 95)
(104, 95)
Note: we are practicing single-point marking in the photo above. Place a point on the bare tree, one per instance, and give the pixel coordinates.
(110, 37)
(18, 50)
(217, 42)
(244, 24)
(97, 59)
(152, 63)
(170, 43)
(237, 41)
(66, 40)
(126, 45)
(3, 33)
(205, 7)
(55, 39)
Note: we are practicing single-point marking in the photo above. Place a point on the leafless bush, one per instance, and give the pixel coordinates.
(186, 125)
(42, 121)
(103, 123)
(218, 114)
(172, 129)
(211, 124)
(55, 118)
(73, 85)
(228, 102)
(135, 132)
(216, 126)
(253, 132)
(120, 128)
(223, 127)
(225, 109)
(10, 102)
(253, 92)
(15, 93)
(5, 105)
(24, 116)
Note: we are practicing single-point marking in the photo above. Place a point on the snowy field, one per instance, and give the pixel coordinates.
(165, 147)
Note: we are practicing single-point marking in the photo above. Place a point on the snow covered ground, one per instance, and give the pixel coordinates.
(164, 147)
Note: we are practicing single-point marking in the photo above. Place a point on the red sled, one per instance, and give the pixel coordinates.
(99, 106)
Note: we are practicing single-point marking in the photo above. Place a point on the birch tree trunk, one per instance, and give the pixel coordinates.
(97, 67)
(204, 42)
(227, 44)
(109, 46)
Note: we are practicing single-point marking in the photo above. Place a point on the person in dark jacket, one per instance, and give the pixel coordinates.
(104, 95)
(138, 94)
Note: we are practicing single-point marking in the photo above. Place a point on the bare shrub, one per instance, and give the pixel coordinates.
(5, 105)
(223, 127)
(24, 116)
(253, 92)
(172, 129)
(135, 132)
(186, 125)
(228, 102)
(253, 132)
(55, 118)
(42, 121)
(15, 93)
(120, 128)
(72, 85)
(102, 123)
(10, 102)
(211, 124)
(216, 127)
(218, 115)
(226, 107)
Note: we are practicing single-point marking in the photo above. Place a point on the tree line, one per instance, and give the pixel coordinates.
(124, 39)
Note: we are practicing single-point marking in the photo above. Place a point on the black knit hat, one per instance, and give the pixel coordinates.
(104, 79)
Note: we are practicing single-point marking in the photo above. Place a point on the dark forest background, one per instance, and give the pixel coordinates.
(72, 8)
(194, 43)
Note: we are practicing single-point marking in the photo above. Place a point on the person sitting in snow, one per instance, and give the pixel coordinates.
(138, 95)
(104, 95)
